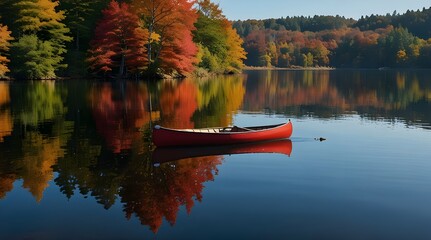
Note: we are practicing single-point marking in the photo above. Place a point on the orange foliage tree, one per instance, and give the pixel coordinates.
(5, 39)
(119, 41)
(170, 24)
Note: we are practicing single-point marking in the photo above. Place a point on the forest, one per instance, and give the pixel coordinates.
(47, 39)
(377, 41)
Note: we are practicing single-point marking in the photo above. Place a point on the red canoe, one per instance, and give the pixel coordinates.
(165, 137)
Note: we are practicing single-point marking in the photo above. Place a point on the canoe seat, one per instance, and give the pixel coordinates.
(240, 129)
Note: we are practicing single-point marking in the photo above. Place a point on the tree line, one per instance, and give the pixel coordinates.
(391, 40)
(44, 39)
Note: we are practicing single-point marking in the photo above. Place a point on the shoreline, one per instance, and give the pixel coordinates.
(288, 68)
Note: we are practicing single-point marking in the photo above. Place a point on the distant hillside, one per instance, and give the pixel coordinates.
(391, 40)
(417, 22)
(301, 24)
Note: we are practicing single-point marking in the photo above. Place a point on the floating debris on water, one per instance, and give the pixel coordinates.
(320, 139)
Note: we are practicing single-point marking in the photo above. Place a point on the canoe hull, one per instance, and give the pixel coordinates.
(165, 137)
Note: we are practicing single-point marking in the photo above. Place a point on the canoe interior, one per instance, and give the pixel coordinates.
(233, 129)
(163, 137)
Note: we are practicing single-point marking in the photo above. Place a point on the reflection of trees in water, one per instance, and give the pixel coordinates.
(40, 154)
(42, 102)
(6, 124)
(329, 93)
(178, 102)
(147, 192)
(43, 141)
(4, 93)
(219, 99)
(112, 172)
(38, 139)
(119, 111)
(5, 115)
(156, 193)
(6, 184)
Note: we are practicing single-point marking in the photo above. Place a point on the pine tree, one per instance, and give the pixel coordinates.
(79, 18)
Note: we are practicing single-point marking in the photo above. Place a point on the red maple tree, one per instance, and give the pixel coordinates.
(170, 25)
(119, 42)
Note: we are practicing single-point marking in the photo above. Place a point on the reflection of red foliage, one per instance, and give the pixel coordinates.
(118, 117)
(167, 189)
(178, 103)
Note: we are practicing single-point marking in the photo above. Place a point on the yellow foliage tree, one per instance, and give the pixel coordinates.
(401, 56)
(236, 54)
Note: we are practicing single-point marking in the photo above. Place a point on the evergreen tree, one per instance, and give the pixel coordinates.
(81, 16)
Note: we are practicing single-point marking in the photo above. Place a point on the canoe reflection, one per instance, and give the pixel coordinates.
(168, 154)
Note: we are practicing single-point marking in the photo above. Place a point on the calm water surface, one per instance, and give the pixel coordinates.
(76, 160)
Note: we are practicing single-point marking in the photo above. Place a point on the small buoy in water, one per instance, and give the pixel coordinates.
(320, 139)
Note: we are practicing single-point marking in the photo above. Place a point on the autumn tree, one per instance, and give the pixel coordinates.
(119, 42)
(400, 47)
(211, 36)
(169, 23)
(221, 46)
(40, 24)
(255, 46)
(5, 38)
(235, 52)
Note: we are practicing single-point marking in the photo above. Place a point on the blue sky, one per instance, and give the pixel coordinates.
(260, 9)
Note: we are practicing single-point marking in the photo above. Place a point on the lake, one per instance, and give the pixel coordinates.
(77, 163)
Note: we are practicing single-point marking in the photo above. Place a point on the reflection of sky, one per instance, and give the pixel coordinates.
(366, 175)
(347, 128)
